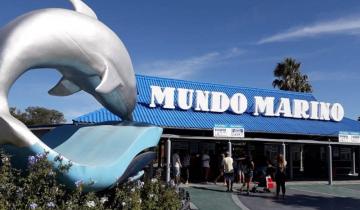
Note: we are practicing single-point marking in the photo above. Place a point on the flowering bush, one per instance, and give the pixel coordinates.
(38, 188)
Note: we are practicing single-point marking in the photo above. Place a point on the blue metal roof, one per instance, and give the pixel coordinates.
(178, 118)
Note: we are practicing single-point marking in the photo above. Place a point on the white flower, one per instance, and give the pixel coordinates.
(140, 184)
(123, 204)
(153, 180)
(90, 204)
(104, 199)
(50, 205)
(172, 183)
(151, 195)
(33, 206)
(132, 190)
(5, 159)
(140, 201)
(79, 183)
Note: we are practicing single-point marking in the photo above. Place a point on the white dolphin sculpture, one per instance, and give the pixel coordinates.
(92, 58)
(86, 52)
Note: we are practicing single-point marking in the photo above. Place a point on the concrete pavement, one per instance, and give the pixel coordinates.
(299, 195)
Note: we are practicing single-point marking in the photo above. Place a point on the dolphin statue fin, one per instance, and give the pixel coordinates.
(81, 7)
(110, 80)
(64, 88)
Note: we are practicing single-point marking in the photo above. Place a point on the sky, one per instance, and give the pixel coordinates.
(235, 42)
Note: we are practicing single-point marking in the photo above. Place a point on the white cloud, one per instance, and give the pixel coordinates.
(183, 68)
(349, 26)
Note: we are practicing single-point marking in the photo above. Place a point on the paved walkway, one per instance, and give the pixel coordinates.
(211, 197)
(299, 195)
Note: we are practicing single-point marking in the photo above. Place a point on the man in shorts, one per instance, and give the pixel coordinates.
(228, 171)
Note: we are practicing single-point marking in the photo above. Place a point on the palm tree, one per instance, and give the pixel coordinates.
(290, 78)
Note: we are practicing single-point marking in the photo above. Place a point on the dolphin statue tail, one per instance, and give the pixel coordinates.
(81, 7)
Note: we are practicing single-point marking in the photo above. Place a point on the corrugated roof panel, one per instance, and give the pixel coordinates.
(206, 120)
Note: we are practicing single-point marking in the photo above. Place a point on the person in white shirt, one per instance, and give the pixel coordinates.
(176, 166)
(205, 163)
(228, 171)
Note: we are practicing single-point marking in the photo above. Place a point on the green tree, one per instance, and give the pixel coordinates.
(38, 116)
(289, 77)
(18, 114)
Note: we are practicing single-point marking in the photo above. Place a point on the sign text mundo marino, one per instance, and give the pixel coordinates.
(218, 102)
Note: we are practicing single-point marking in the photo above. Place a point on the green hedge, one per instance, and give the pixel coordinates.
(37, 188)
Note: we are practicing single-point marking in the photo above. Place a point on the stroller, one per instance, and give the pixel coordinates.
(262, 180)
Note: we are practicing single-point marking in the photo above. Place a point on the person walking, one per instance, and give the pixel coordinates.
(228, 171)
(240, 171)
(248, 173)
(280, 176)
(177, 165)
(186, 167)
(205, 163)
(221, 169)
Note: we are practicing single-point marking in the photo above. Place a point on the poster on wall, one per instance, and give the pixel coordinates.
(349, 137)
(231, 131)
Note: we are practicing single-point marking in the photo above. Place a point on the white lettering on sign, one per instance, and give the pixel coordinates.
(337, 112)
(284, 108)
(185, 98)
(264, 106)
(202, 100)
(324, 112)
(314, 110)
(220, 102)
(301, 108)
(159, 96)
(238, 103)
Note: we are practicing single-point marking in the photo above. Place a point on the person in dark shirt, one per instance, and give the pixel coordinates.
(280, 176)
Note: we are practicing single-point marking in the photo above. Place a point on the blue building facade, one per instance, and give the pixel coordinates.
(274, 122)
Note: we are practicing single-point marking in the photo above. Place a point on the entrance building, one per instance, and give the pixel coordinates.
(316, 139)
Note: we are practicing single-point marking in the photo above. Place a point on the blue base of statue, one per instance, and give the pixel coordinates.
(101, 155)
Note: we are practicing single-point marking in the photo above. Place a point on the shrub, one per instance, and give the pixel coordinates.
(37, 188)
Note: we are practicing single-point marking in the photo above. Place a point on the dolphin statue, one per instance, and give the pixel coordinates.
(88, 55)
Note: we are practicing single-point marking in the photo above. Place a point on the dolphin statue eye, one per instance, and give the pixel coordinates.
(100, 154)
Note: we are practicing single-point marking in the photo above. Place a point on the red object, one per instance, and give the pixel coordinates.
(269, 183)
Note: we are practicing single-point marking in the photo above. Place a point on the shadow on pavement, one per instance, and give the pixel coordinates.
(299, 201)
(209, 189)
